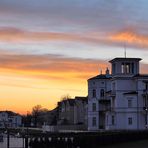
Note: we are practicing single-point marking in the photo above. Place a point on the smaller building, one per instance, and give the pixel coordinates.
(71, 115)
(72, 111)
(10, 119)
(80, 110)
(66, 112)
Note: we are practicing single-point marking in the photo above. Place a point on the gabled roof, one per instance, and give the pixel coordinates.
(101, 76)
(10, 113)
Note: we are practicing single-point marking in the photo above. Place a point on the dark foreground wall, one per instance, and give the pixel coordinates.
(84, 140)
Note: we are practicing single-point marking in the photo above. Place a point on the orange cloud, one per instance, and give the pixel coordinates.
(42, 79)
(51, 66)
(17, 35)
(131, 37)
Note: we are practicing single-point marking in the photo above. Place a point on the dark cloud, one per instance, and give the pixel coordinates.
(106, 16)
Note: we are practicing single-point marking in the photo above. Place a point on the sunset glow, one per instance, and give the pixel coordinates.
(50, 48)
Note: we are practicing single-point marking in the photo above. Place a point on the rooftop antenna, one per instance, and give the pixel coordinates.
(125, 50)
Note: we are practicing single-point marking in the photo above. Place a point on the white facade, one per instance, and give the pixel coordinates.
(10, 119)
(118, 100)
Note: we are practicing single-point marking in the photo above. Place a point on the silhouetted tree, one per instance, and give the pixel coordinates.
(37, 113)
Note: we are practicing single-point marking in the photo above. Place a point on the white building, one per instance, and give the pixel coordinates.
(118, 100)
(10, 119)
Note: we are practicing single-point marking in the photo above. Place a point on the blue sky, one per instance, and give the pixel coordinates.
(95, 19)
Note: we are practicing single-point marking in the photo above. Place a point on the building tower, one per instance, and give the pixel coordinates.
(119, 100)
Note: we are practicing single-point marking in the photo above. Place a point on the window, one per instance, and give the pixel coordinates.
(146, 86)
(94, 121)
(102, 93)
(107, 119)
(145, 101)
(125, 68)
(130, 122)
(113, 120)
(132, 67)
(129, 103)
(94, 107)
(122, 68)
(94, 93)
(113, 86)
(114, 68)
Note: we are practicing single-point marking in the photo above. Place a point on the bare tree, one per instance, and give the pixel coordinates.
(65, 97)
(37, 112)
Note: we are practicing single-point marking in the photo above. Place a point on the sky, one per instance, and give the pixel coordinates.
(49, 48)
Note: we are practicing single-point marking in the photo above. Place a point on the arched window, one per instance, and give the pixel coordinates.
(94, 93)
(102, 93)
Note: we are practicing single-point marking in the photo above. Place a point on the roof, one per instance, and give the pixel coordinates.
(141, 75)
(70, 101)
(101, 76)
(10, 113)
(80, 98)
(125, 59)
